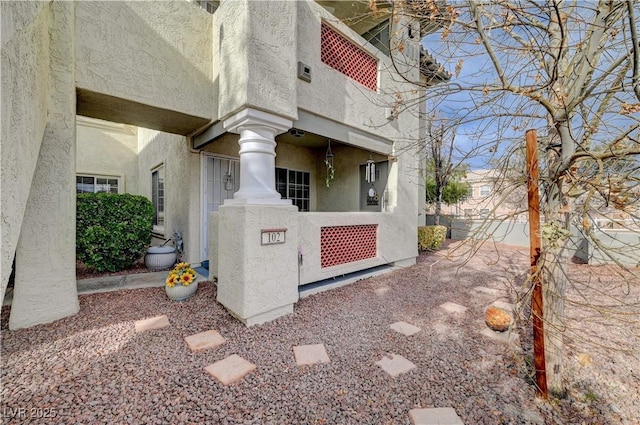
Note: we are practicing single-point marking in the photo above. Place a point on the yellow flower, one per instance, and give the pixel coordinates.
(181, 274)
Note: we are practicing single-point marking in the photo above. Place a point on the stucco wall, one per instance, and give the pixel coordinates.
(108, 149)
(182, 188)
(257, 45)
(333, 95)
(45, 286)
(394, 243)
(24, 94)
(152, 53)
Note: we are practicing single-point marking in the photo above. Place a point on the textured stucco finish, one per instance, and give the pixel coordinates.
(257, 60)
(153, 53)
(24, 94)
(106, 149)
(257, 282)
(182, 188)
(130, 61)
(45, 285)
(335, 96)
(395, 242)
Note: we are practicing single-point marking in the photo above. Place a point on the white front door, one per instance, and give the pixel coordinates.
(220, 180)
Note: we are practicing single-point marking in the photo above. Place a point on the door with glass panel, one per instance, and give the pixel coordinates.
(220, 180)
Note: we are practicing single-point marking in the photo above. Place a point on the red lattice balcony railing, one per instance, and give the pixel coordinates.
(346, 244)
(342, 55)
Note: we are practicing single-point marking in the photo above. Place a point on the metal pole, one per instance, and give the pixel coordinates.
(535, 248)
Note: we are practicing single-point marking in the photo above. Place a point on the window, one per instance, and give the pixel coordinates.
(379, 36)
(293, 185)
(157, 197)
(470, 192)
(208, 5)
(95, 184)
(485, 190)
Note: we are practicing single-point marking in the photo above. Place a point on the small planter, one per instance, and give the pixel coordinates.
(497, 319)
(180, 292)
(160, 257)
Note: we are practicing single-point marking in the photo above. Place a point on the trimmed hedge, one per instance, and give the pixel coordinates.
(112, 230)
(431, 237)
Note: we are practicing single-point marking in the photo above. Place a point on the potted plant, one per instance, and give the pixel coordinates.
(181, 283)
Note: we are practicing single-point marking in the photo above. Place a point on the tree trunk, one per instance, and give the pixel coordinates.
(438, 204)
(554, 280)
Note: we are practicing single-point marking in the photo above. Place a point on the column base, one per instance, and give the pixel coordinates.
(265, 317)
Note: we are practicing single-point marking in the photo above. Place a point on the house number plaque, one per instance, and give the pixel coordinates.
(273, 236)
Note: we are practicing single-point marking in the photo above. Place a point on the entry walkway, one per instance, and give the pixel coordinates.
(234, 368)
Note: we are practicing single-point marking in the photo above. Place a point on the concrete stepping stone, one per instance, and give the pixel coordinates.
(453, 308)
(435, 416)
(488, 291)
(405, 328)
(395, 365)
(204, 340)
(506, 337)
(231, 369)
(310, 354)
(152, 323)
(503, 305)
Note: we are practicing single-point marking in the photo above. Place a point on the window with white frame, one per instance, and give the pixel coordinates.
(485, 190)
(294, 185)
(94, 184)
(158, 197)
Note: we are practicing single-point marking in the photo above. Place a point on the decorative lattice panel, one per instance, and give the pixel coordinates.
(341, 54)
(346, 244)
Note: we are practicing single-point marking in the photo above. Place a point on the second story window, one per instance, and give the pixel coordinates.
(209, 5)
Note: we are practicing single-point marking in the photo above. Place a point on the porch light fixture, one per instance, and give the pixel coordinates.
(328, 162)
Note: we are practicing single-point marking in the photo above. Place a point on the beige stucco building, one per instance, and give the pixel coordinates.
(226, 117)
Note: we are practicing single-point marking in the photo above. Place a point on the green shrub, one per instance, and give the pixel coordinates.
(112, 230)
(431, 237)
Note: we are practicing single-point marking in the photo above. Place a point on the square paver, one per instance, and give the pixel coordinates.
(506, 337)
(310, 354)
(435, 416)
(204, 340)
(395, 365)
(503, 305)
(488, 291)
(405, 328)
(152, 323)
(453, 308)
(231, 369)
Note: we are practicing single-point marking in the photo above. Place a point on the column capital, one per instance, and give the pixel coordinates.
(249, 117)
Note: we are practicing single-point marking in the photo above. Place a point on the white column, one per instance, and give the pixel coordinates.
(257, 131)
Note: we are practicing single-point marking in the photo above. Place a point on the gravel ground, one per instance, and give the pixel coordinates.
(94, 368)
